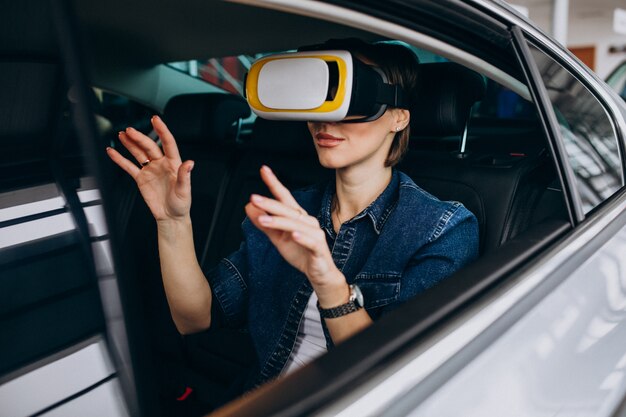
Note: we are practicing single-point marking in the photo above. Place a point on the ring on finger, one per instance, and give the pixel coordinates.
(145, 163)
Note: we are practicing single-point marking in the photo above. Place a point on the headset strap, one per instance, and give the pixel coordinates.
(392, 95)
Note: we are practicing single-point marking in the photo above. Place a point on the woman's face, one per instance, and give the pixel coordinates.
(342, 145)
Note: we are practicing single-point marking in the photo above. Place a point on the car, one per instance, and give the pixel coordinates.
(509, 123)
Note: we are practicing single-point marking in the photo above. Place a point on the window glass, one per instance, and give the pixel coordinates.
(115, 112)
(588, 135)
(228, 74)
(499, 102)
(617, 80)
(502, 103)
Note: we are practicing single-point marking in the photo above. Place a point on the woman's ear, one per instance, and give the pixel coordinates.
(402, 117)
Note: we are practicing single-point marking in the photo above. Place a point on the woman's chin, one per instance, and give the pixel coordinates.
(330, 162)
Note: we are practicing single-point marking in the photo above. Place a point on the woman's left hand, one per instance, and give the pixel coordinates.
(297, 236)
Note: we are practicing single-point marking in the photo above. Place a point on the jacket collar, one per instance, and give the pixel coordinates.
(378, 211)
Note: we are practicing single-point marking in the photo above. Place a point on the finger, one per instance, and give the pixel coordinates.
(277, 208)
(183, 179)
(123, 163)
(253, 214)
(289, 225)
(311, 243)
(139, 154)
(277, 189)
(170, 149)
(146, 144)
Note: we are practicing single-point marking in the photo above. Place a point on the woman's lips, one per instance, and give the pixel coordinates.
(327, 141)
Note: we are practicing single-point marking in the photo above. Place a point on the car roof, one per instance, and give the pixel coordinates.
(125, 36)
(144, 32)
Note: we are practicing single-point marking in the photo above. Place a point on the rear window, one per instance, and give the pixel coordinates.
(228, 73)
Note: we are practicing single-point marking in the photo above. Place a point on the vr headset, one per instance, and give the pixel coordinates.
(322, 86)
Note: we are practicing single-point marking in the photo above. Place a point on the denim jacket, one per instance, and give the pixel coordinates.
(403, 243)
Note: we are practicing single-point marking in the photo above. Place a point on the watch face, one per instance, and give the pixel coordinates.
(358, 295)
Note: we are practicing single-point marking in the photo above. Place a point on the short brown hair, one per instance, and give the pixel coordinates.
(401, 66)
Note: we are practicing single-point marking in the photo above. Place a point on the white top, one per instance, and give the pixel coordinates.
(310, 341)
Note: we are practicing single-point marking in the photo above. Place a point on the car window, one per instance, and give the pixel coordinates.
(617, 80)
(587, 133)
(114, 112)
(227, 73)
(499, 102)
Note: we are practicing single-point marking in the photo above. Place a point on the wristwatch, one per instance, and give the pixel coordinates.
(355, 302)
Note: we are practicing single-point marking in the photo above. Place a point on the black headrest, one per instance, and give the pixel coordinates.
(195, 118)
(281, 136)
(447, 92)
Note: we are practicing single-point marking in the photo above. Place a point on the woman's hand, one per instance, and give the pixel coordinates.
(164, 182)
(299, 239)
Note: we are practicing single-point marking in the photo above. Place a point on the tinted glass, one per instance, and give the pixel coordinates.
(226, 73)
(587, 132)
(617, 80)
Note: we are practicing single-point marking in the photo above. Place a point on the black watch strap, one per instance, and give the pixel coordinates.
(342, 310)
(355, 303)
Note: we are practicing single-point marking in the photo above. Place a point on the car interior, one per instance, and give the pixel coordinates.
(473, 140)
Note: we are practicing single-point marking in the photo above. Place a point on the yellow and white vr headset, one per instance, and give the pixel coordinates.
(324, 86)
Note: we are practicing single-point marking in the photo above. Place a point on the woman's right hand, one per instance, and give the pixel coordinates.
(165, 182)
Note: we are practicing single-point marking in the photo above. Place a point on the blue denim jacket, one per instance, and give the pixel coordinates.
(403, 243)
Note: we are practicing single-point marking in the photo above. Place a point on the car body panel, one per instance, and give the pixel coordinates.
(565, 357)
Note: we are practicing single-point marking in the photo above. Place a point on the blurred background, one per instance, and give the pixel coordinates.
(594, 30)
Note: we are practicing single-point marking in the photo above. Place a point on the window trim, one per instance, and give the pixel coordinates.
(550, 125)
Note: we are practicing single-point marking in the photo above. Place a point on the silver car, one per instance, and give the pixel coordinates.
(511, 124)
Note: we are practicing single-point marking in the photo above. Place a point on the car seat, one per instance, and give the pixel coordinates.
(505, 186)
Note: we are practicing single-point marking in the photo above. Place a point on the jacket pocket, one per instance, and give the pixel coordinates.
(378, 289)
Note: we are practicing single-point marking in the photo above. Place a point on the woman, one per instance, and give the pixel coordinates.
(371, 227)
